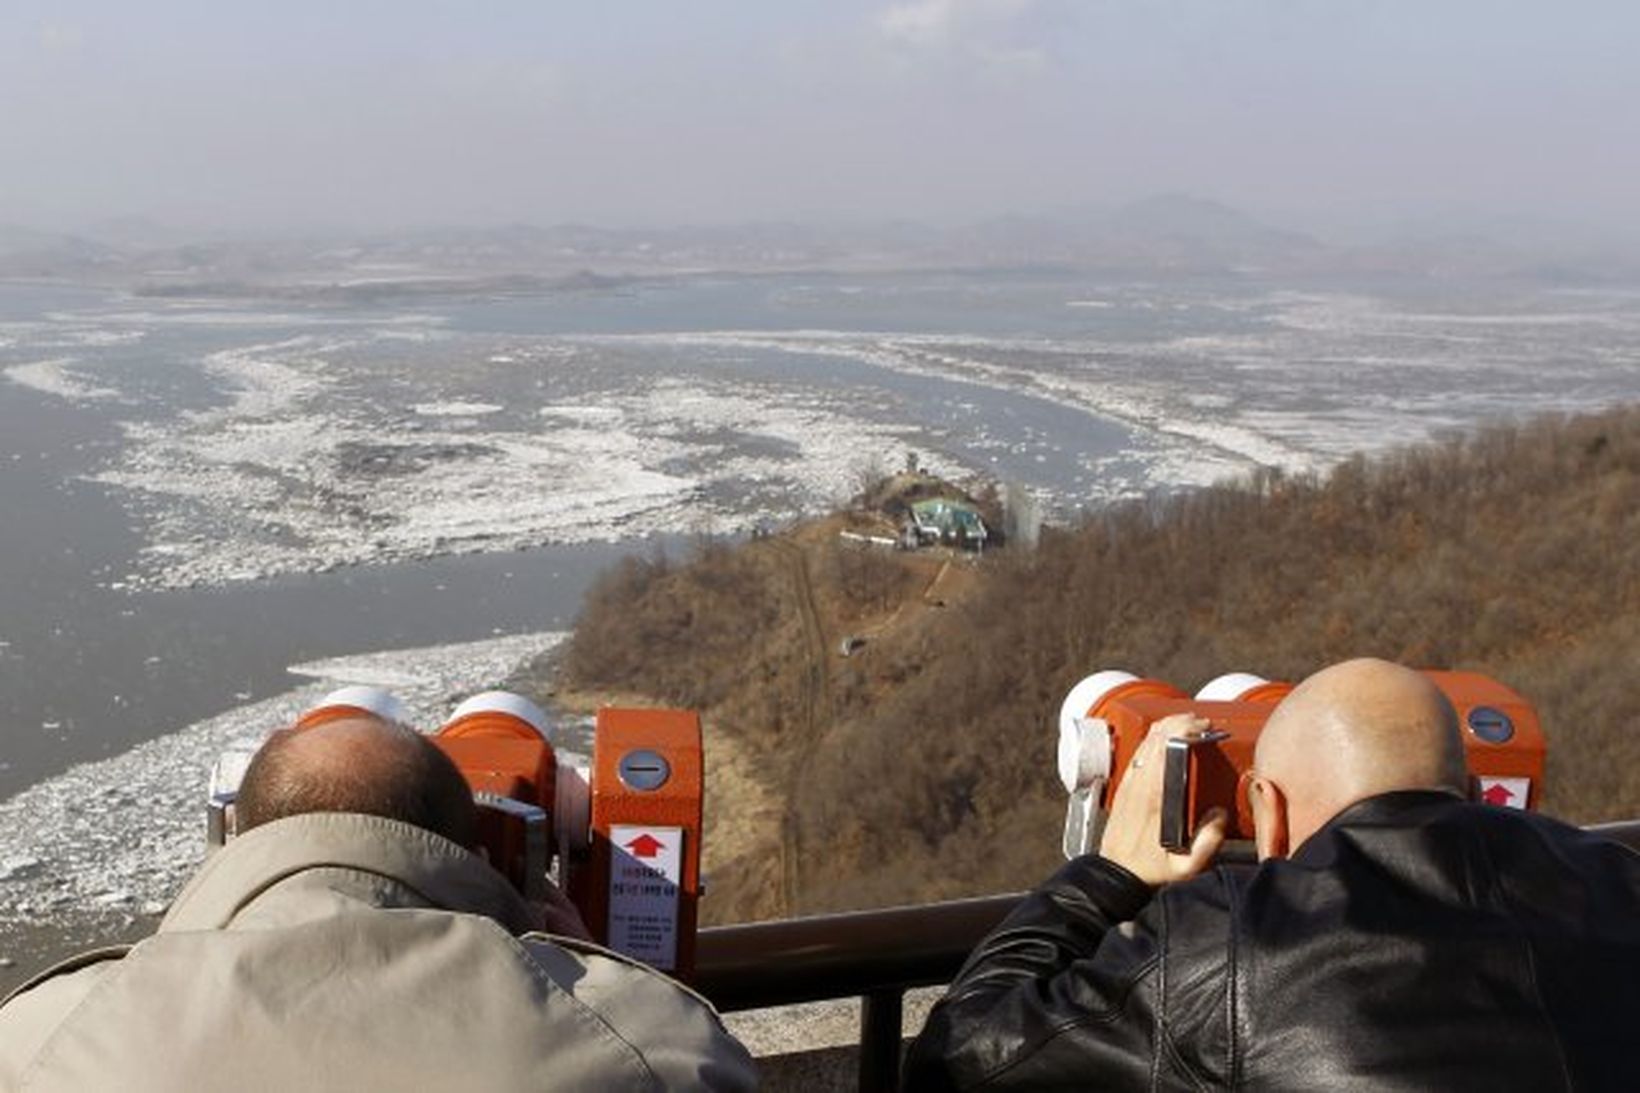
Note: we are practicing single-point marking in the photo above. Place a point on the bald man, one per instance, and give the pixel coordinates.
(348, 939)
(1393, 935)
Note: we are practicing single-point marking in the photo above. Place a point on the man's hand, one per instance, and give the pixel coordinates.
(559, 916)
(1133, 831)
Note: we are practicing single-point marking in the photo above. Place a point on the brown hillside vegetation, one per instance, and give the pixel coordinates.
(922, 765)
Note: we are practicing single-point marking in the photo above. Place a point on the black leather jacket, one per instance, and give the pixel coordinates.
(1415, 942)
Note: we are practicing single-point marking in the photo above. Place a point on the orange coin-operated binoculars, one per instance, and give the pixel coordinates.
(620, 833)
(1105, 717)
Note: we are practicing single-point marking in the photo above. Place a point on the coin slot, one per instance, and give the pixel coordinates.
(644, 770)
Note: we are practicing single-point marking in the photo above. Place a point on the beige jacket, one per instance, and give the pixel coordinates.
(332, 952)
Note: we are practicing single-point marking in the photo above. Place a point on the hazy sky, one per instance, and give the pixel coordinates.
(383, 113)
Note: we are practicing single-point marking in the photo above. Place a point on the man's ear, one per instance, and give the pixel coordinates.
(1269, 804)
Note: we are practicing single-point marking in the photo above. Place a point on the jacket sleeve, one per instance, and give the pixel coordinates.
(1053, 997)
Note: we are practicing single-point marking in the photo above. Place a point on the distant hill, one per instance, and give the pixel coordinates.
(1195, 227)
(15, 239)
(921, 765)
(19, 244)
(1168, 234)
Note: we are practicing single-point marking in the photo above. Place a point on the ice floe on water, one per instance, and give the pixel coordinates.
(1291, 379)
(570, 412)
(337, 442)
(1211, 448)
(314, 458)
(195, 314)
(456, 409)
(116, 838)
(58, 377)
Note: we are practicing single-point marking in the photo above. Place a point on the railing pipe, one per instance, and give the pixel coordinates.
(881, 1015)
(841, 956)
(1626, 832)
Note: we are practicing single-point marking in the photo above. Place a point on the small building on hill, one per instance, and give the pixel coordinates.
(915, 509)
(945, 520)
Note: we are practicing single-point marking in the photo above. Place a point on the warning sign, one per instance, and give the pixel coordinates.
(646, 868)
(1504, 792)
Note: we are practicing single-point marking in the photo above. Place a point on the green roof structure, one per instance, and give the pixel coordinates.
(948, 521)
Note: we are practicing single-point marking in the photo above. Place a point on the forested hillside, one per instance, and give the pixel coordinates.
(922, 765)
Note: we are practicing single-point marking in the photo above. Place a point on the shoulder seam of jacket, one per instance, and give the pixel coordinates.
(582, 946)
(89, 959)
(539, 974)
(102, 985)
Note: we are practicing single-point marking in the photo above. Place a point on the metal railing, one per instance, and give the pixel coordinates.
(874, 955)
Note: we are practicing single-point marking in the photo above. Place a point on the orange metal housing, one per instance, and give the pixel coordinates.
(1522, 755)
(501, 754)
(1270, 692)
(323, 715)
(674, 735)
(1216, 778)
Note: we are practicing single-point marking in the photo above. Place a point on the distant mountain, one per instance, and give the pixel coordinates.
(1176, 229)
(136, 233)
(15, 239)
(1202, 222)
(30, 253)
(1169, 234)
(1172, 232)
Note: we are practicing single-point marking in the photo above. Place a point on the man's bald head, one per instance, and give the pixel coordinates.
(1355, 730)
(357, 764)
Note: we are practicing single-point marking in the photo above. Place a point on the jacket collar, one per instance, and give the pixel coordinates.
(1400, 807)
(446, 875)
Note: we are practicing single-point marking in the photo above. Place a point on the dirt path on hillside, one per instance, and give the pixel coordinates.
(817, 711)
(817, 708)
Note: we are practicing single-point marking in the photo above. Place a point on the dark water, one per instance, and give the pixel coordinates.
(990, 304)
(88, 671)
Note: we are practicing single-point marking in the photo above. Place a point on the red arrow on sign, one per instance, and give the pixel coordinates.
(645, 846)
(1498, 794)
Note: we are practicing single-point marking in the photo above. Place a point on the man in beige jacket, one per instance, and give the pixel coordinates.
(350, 940)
